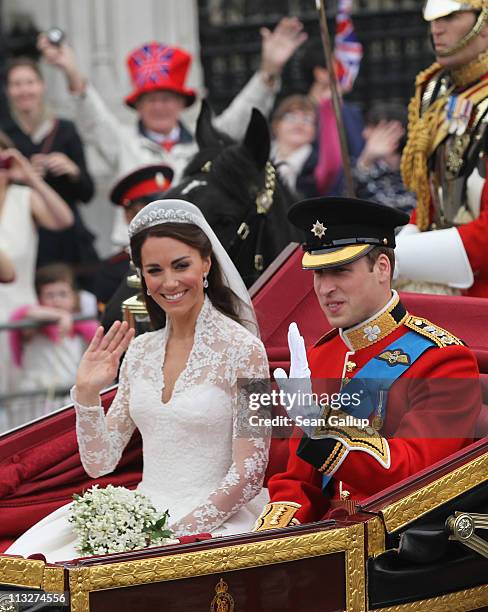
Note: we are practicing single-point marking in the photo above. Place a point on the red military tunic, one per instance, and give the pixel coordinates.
(475, 240)
(412, 414)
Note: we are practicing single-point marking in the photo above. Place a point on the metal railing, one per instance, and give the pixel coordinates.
(21, 406)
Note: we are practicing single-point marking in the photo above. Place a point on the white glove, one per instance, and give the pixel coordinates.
(298, 358)
(298, 384)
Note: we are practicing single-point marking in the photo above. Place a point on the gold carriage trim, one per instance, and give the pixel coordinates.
(438, 335)
(470, 599)
(399, 514)
(31, 573)
(276, 515)
(376, 534)
(348, 540)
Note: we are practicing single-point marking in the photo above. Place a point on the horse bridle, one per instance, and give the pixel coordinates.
(263, 201)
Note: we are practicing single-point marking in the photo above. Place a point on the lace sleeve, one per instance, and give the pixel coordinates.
(102, 438)
(245, 476)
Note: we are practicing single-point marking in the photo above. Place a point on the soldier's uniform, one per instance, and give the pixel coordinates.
(445, 163)
(417, 383)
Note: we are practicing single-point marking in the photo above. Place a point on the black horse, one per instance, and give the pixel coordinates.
(240, 194)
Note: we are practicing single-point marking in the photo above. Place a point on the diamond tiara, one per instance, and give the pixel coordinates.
(163, 215)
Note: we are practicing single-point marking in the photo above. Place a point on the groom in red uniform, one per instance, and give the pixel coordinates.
(417, 384)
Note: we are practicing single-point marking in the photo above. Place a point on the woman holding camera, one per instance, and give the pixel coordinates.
(56, 153)
(26, 202)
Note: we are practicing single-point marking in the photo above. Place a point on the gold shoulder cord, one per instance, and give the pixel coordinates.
(422, 128)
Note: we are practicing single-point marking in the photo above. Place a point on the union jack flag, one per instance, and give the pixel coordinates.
(348, 51)
(153, 62)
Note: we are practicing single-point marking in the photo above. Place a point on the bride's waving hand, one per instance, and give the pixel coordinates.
(99, 365)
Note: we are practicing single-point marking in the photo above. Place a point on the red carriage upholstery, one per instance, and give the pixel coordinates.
(40, 467)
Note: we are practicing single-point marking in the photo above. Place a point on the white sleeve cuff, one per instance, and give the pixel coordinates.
(434, 257)
(72, 394)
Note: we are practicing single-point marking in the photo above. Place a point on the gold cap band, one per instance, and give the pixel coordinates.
(334, 257)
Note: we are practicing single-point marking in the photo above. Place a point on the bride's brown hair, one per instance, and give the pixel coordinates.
(221, 296)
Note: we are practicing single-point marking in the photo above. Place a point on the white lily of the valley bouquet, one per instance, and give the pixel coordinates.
(115, 519)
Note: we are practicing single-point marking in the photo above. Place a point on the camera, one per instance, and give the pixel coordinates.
(55, 36)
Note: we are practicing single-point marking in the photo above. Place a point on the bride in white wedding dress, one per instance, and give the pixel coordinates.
(178, 385)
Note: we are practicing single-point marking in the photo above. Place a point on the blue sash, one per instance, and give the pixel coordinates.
(373, 381)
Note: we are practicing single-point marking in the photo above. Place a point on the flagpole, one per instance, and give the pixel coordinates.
(336, 99)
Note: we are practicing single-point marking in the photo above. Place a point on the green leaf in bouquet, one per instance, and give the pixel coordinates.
(161, 522)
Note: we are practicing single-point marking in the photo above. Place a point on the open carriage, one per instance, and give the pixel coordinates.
(393, 553)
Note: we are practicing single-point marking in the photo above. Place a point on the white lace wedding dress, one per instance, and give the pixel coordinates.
(200, 459)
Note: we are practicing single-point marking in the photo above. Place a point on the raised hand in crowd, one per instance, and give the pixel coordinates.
(280, 44)
(320, 89)
(277, 48)
(382, 141)
(48, 208)
(99, 365)
(64, 58)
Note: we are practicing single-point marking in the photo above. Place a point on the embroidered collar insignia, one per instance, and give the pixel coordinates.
(396, 357)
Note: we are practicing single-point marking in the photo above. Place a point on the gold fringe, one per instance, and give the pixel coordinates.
(421, 134)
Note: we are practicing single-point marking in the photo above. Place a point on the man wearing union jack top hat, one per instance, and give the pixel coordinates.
(160, 94)
(445, 159)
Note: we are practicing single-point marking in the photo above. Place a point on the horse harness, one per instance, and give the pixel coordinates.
(263, 201)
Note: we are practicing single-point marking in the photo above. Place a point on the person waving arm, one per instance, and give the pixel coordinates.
(102, 438)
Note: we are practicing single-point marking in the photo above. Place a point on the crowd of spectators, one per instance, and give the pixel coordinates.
(44, 178)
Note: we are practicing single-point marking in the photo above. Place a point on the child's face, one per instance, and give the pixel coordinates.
(296, 128)
(58, 295)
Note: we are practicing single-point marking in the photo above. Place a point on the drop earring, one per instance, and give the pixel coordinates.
(205, 282)
(148, 292)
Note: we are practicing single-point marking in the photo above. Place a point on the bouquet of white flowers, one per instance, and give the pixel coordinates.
(115, 519)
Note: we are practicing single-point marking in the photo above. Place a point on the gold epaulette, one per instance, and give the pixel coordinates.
(332, 333)
(277, 514)
(438, 335)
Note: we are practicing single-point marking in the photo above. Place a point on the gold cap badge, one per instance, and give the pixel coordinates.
(318, 229)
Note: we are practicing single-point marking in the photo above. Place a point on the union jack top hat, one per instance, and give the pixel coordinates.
(155, 67)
